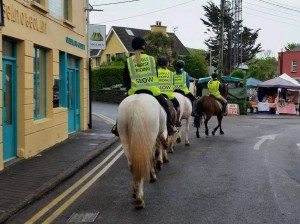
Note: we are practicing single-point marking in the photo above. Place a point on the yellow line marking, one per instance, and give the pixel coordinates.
(81, 191)
(108, 119)
(70, 189)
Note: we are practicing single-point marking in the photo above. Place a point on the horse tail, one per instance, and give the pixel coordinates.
(139, 138)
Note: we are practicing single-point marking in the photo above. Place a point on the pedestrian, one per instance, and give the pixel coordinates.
(182, 83)
(214, 88)
(140, 76)
(166, 84)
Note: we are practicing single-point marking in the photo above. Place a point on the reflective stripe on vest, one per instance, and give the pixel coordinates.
(213, 88)
(143, 77)
(180, 82)
(165, 82)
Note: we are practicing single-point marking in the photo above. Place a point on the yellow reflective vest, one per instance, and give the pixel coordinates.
(213, 88)
(166, 82)
(143, 77)
(180, 82)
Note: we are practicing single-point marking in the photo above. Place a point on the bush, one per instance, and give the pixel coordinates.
(105, 77)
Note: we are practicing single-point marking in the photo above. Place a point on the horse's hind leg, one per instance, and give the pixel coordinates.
(187, 128)
(219, 125)
(138, 186)
(220, 121)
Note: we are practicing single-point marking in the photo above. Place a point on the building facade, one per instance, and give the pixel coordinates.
(118, 42)
(43, 74)
(288, 63)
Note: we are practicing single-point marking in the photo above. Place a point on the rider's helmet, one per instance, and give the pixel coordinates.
(180, 64)
(138, 43)
(214, 75)
(162, 61)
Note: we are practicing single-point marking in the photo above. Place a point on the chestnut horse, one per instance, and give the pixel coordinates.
(141, 122)
(206, 107)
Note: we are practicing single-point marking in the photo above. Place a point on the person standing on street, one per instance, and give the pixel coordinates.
(139, 67)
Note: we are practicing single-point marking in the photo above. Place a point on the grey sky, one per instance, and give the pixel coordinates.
(279, 22)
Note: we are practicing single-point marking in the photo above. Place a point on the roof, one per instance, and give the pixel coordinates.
(297, 48)
(252, 82)
(126, 38)
(224, 79)
(279, 82)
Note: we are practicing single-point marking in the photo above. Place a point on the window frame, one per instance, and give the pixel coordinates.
(108, 58)
(294, 65)
(41, 5)
(42, 95)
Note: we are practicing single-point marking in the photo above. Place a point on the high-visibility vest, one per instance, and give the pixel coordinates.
(213, 88)
(143, 77)
(180, 82)
(166, 82)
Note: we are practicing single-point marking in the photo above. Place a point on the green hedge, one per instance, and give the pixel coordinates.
(105, 77)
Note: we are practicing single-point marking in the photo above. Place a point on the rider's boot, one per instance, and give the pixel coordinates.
(114, 130)
(194, 109)
(178, 123)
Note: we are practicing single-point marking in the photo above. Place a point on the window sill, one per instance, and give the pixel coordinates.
(69, 23)
(39, 6)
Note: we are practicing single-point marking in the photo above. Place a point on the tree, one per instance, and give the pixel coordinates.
(263, 68)
(291, 46)
(195, 63)
(159, 44)
(249, 36)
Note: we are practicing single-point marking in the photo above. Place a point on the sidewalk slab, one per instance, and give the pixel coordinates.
(27, 180)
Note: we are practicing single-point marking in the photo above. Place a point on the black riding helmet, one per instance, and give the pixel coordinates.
(162, 61)
(180, 64)
(138, 43)
(214, 75)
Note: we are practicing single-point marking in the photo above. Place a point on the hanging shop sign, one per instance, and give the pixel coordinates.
(97, 37)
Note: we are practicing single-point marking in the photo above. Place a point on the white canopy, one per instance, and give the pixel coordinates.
(289, 78)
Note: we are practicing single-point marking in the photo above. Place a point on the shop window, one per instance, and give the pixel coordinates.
(294, 66)
(39, 83)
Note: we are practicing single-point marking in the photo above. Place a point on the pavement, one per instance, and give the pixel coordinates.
(25, 180)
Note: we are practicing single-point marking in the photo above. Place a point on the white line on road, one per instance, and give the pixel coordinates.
(262, 139)
(108, 119)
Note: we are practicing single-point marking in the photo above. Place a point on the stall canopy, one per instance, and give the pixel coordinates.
(224, 79)
(252, 82)
(280, 82)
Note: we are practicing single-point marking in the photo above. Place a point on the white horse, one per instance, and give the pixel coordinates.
(141, 120)
(185, 114)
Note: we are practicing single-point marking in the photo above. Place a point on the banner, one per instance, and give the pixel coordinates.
(97, 37)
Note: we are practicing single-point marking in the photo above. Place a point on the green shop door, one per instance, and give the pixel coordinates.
(9, 109)
(73, 99)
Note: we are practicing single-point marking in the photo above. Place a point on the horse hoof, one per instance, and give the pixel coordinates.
(222, 133)
(213, 133)
(178, 140)
(197, 135)
(139, 203)
(158, 166)
(153, 179)
(166, 160)
(187, 144)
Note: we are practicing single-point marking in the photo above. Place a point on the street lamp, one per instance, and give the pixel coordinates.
(244, 68)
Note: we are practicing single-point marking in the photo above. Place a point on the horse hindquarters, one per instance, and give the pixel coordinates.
(138, 145)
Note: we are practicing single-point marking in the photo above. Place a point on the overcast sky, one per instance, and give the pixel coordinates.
(279, 22)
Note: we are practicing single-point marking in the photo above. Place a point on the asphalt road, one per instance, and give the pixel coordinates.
(249, 175)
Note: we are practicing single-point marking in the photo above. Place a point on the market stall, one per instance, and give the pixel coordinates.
(279, 95)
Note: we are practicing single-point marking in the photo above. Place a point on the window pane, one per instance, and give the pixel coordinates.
(8, 49)
(56, 8)
(39, 83)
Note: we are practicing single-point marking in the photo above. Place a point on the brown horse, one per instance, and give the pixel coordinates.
(206, 107)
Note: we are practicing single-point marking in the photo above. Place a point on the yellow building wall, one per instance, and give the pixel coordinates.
(29, 26)
(113, 46)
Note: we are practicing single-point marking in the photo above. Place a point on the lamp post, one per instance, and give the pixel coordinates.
(244, 68)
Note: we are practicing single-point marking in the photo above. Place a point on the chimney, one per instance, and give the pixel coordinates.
(158, 28)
